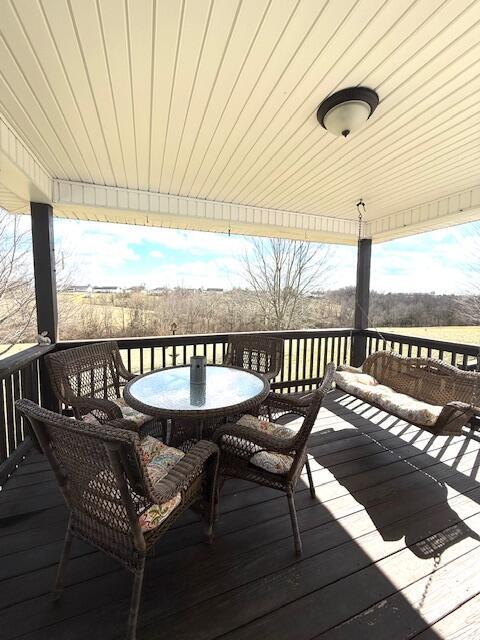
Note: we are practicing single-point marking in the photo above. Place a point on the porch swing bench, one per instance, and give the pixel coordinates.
(426, 392)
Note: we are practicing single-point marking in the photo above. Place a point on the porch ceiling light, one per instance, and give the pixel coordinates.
(347, 110)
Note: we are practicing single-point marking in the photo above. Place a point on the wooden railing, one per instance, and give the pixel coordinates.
(19, 378)
(464, 356)
(306, 353)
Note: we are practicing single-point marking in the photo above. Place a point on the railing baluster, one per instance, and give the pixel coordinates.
(304, 363)
(3, 425)
(325, 355)
(312, 347)
(18, 418)
(297, 363)
(290, 360)
(10, 417)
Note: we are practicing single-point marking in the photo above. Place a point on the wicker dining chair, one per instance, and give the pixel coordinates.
(259, 353)
(280, 405)
(122, 495)
(89, 379)
(270, 454)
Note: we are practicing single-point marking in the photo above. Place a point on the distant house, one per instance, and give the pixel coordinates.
(79, 288)
(214, 290)
(108, 289)
(136, 289)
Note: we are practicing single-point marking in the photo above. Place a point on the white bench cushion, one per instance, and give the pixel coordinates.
(365, 387)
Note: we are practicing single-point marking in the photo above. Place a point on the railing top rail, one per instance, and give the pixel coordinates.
(19, 360)
(189, 339)
(439, 345)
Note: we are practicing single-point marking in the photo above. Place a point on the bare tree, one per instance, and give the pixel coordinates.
(282, 273)
(17, 295)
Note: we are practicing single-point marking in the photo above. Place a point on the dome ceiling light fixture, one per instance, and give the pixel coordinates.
(347, 110)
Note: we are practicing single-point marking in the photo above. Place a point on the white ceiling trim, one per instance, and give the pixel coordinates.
(20, 172)
(114, 204)
(457, 208)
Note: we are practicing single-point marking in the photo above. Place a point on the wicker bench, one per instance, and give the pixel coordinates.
(428, 393)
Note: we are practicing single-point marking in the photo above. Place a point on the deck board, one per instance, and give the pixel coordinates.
(390, 499)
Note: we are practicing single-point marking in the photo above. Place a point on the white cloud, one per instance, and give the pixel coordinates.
(112, 254)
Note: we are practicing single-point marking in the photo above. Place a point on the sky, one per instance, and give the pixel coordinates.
(123, 255)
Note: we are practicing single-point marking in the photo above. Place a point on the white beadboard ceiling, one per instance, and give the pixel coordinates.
(201, 113)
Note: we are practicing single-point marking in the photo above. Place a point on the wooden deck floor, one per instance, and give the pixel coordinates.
(391, 550)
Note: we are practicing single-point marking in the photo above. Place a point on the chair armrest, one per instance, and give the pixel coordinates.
(288, 400)
(123, 423)
(184, 472)
(347, 367)
(107, 409)
(258, 438)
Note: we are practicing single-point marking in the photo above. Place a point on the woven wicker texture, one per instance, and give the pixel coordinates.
(426, 379)
(257, 353)
(186, 426)
(239, 443)
(105, 483)
(89, 378)
(431, 381)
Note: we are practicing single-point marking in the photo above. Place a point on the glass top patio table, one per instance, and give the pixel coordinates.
(168, 392)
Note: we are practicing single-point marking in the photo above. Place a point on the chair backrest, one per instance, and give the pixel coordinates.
(90, 371)
(262, 354)
(101, 474)
(301, 437)
(425, 379)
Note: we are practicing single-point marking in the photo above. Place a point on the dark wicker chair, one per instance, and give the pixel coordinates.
(104, 477)
(240, 444)
(89, 379)
(256, 352)
(280, 405)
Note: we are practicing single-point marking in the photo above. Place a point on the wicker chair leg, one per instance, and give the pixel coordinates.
(135, 603)
(57, 592)
(293, 517)
(310, 479)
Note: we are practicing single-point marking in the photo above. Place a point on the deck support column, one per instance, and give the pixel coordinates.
(362, 301)
(44, 269)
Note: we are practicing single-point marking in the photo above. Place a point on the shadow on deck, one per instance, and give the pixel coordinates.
(391, 549)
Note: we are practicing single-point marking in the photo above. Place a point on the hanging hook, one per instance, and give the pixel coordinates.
(361, 211)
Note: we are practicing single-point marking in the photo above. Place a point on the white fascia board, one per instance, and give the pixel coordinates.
(130, 206)
(20, 172)
(457, 208)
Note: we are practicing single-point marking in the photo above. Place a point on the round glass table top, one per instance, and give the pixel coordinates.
(169, 391)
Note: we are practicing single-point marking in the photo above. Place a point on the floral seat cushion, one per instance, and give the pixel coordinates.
(271, 461)
(266, 427)
(400, 404)
(129, 413)
(158, 457)
(157, 513)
